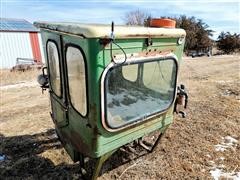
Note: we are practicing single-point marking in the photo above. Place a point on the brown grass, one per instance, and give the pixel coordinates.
(7, 77)
(187, 150)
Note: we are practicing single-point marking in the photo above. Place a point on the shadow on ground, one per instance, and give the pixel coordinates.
(22, 159)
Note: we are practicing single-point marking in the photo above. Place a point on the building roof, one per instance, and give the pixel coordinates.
(101, 31)
(16, 25)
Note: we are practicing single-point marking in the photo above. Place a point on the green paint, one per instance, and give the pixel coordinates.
(86, 135)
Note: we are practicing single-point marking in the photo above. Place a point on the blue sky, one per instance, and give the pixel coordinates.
(220, 15)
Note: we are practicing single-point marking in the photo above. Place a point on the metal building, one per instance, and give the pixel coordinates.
(19, 39)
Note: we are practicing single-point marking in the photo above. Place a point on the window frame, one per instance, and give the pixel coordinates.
(60, 70)
(129, 62)
(86, 78)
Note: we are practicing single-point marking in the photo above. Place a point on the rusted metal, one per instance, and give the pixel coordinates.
(181, 100)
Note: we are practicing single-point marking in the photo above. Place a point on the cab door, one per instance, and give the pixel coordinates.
(75, 50)
(57, 89)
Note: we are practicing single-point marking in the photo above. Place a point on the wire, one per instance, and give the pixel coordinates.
(112, 42)
(125, 55)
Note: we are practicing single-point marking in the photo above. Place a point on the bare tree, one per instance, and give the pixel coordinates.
(198, 32)
(136, 18)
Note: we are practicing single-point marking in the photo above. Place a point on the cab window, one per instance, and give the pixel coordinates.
(77, 79)
(128, 101)
(130, 72)
(54, 67)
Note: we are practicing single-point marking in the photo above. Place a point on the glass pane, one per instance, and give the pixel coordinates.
(77, 79)
(127, 101)
(54, 66)
(130, 72)
(158, 75)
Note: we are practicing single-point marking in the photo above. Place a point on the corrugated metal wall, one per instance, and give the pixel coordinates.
(14, 45)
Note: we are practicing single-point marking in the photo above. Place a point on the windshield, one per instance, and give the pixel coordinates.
(134, 92)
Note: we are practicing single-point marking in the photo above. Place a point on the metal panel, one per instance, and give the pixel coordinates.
(16, 25)
(35, 46)
(14, 45)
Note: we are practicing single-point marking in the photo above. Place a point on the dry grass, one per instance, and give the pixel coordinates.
(187, 150)
(7, 77)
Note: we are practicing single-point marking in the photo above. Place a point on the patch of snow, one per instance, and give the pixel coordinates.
(19, 85)
(218, 173)
(227, 143)
(220, 147)
(229, 139)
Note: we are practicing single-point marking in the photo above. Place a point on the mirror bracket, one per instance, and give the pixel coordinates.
(43, 80)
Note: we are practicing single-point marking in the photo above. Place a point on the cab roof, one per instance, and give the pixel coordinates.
(104, 31)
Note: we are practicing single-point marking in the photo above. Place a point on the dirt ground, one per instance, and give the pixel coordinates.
(204, 145)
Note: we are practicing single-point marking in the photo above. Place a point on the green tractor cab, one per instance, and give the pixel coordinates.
(109, 85)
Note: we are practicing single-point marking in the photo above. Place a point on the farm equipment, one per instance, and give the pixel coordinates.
(23, 64)
(110, 85)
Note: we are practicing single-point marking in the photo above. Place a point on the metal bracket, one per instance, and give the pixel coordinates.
(148, 41)
(182, 95)
(149, 148)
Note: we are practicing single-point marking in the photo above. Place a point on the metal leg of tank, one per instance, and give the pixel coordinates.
(100, 162)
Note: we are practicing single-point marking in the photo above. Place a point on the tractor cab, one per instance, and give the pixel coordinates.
(109, 85)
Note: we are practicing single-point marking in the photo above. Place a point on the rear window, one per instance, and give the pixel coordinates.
(135, 92)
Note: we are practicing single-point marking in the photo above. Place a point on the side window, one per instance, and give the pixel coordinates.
(160, 75)
(54, 67)
(77, 79)
(130, 72)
